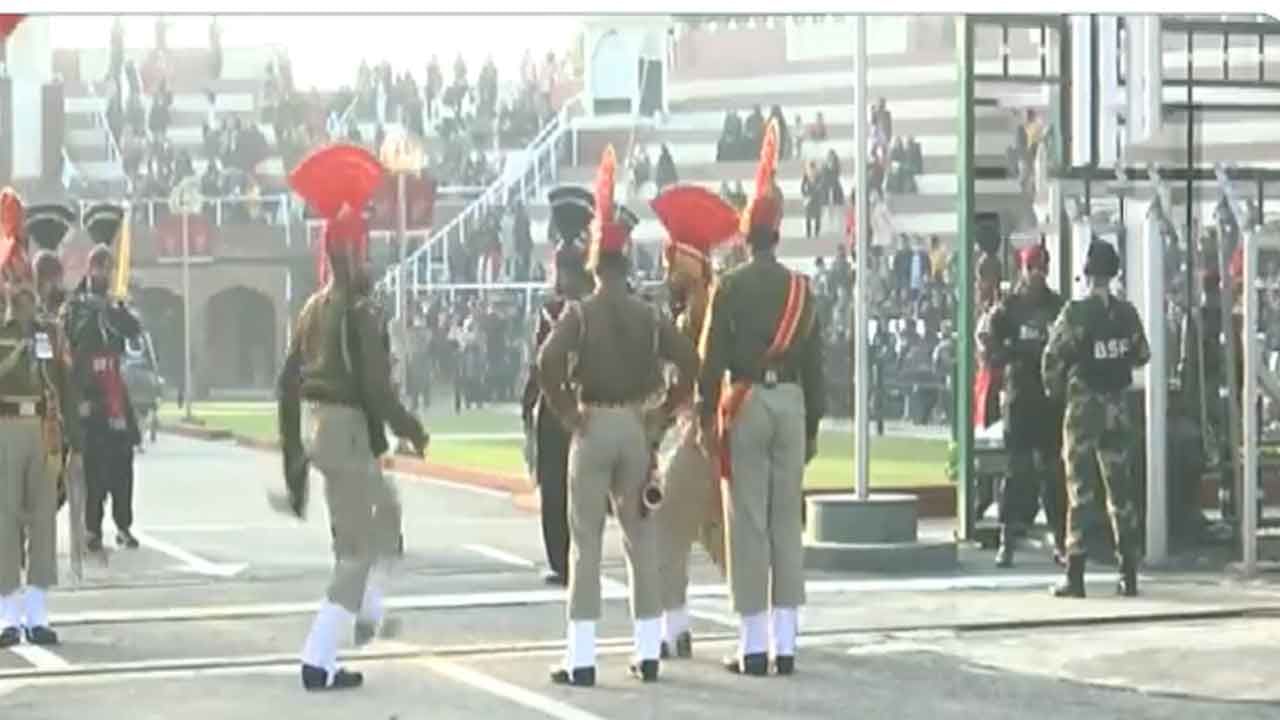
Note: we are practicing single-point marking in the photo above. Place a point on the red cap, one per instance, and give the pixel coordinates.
(1033, 255)
(607, 234)
(696, 220)
(765, 207)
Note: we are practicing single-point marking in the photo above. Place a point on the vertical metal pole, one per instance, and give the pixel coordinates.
(402, 301)
(862, 218)
(186, 313)
(1249, 404)
(1157, 383)
(963, 417)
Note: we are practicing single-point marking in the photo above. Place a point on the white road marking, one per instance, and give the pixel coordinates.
(501, 556)
(476, 489)
(610, 590)
(713, 616)
(505, 690)
(42, 658)
(193, 562)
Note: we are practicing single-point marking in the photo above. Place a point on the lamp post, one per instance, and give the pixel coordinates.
(185, 201)
(401, 153)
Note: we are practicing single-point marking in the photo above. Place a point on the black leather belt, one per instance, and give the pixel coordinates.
(21, 409)
(767, 377)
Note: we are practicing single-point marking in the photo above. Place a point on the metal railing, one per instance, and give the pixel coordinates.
(218, 210)
(538, 167)
(100, 121)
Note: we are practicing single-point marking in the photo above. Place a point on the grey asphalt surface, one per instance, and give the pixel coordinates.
(205, 622)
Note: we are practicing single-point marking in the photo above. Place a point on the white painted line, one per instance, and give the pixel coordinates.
(501, 556)
(512, 693)
(193, 562)
(218, 527)
(610, 590)
(420, 480)
(713, 616)
(40, 657)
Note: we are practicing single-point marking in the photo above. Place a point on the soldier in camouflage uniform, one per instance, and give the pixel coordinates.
(1094, 347)
(1014, 342)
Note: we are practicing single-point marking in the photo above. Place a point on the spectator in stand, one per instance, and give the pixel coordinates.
(915, 156)
(434, 84)
(270, 93)
(938, 259)
(902, 178)
(522, 241)
(920, 271)
(784, 137)
(132, 151)
(666, 171)
(115, 57)
(884, 119)
(547, 80)
(641, 170)
(813, 188)
(211, 186)
(752, 135)
(161, 103)
(728, 147)
(800, 134)
(115, 114)
(902, 269)
(834, 199)
(212, 127)
(876, 173)
(851, 220)
(487, 87)
(841, 271)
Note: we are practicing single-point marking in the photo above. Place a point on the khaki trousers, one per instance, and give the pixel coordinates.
(609, 460)
(688, 489)
(364, 507)
(763, 511)
(28, 507)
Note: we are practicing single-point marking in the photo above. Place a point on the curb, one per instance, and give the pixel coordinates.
(515, 485)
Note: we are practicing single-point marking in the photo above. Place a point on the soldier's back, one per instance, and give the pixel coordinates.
(618, 356)
(755, 297)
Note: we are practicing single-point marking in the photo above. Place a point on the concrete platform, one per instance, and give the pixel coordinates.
(875, 534)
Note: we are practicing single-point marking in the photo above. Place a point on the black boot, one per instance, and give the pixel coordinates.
(1004, 556)
(645, 670)
(317, 679)
(1128, 585)
(756, 664)
(1073, 586)
(578, 677)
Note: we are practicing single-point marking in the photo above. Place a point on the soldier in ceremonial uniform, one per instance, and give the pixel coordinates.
(339, 365)
(762, 423)
(619, 343)
(96, 327)
(571, 211)
(30, 375)
(1094, 347)
(696, 220)
(1017, 331)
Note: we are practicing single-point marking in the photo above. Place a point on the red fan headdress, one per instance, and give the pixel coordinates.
(697, 220)
(9, 23)
(1033, 255)
(337, 182)
(607, 234)
(14, 264)
(765, 207)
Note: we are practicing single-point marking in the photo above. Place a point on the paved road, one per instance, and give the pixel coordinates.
(205, 621)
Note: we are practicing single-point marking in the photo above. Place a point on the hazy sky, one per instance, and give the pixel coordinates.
(328, 46)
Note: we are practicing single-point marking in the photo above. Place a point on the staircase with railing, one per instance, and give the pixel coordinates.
(536, 168)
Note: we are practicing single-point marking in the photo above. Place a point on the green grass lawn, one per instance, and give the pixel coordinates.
(895, 462)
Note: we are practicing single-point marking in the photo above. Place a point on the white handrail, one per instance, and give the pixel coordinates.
(113, 147)
(545, 141)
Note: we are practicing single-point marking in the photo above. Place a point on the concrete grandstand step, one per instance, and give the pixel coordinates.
(996, 122)
(932, 146)
(717, 172)
(942, 185)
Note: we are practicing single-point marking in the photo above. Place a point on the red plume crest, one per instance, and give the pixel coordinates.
(765, 207)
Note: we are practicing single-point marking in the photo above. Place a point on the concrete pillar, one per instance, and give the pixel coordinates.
(29, 63)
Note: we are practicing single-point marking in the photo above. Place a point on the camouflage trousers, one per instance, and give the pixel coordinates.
(1097, 453)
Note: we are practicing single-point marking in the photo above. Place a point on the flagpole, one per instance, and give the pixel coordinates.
(861, 221)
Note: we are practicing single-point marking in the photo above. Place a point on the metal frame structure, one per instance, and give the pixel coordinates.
(1051, 27)
(1090, 173)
